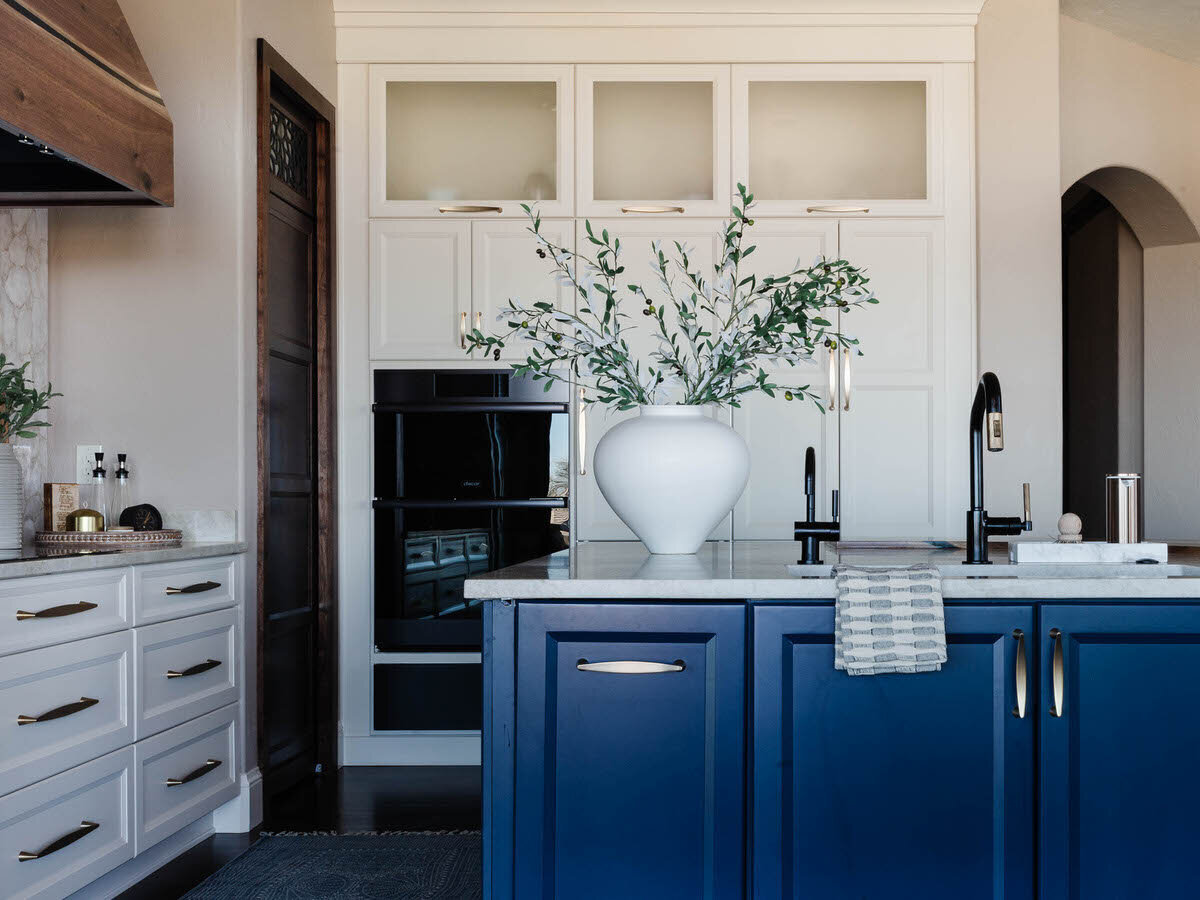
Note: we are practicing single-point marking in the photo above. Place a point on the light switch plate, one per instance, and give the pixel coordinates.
(85, 461)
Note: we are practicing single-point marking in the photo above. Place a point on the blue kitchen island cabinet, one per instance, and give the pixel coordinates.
(893, 785)
(1120, 751)
(629, 759)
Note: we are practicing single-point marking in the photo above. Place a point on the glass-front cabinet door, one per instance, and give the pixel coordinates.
(838, 140)
(653, 140)
(454, 141)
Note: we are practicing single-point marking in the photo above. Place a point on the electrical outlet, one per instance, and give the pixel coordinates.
(85, 461)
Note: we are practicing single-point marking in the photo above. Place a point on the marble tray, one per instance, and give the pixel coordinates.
(1086, 552)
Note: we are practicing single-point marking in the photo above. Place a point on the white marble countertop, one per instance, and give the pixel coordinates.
(758, 570)
(24, 563)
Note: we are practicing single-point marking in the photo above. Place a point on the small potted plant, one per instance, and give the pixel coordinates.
(20, 402)
(674, 472)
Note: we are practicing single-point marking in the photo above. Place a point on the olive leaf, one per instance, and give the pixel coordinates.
(20, 402)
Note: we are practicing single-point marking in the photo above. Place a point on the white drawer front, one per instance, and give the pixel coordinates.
(202, 755)
(72, 605)
(169, 590)
(81, 692)
(32, 820)
(187, 648)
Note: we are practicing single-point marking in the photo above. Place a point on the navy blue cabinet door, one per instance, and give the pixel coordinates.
(892, 785)
(1120, 745)
(629, 784)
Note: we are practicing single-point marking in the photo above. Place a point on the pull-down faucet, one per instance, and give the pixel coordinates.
(979, 524)
(810, 532)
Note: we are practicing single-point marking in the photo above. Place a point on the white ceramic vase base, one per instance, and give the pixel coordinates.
(12, 499)
(672, 474)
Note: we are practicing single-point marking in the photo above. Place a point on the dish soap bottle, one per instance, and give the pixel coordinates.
(122, 493)
(97, 492)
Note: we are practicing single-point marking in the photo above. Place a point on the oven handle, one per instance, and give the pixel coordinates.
(469, 408)
(530, 503)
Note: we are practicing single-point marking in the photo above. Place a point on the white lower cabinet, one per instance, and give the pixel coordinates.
(62, 833)
(169, 590)
(185, 668)
(184, 773)
(63, 705)
(50, 609)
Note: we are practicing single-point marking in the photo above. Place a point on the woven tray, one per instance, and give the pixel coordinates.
(109, 540)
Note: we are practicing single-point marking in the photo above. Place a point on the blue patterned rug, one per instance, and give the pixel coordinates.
(402, 865)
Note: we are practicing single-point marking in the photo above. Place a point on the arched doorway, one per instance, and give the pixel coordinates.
(1131, 319)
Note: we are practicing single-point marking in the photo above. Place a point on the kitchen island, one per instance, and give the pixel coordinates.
(674, 727)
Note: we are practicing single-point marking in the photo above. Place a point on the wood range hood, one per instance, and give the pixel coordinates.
(81, 120)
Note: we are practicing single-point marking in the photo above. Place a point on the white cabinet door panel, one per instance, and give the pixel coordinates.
(778, 431)
(505, 265)
(420, 290)
(894, 434)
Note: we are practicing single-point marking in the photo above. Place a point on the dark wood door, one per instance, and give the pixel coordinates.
(295, 433)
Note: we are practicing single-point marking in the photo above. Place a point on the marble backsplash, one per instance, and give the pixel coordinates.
(24, 334)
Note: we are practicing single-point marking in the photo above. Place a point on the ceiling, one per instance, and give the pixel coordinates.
(1172, 26)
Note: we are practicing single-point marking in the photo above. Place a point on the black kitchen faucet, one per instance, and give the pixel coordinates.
(979, 524)
(811, 532)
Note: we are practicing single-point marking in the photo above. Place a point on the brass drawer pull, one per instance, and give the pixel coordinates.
(198, 588)
(1056, 670)
(59, 712)
(194, 774)
(1021, 673)
(651, 209)
(838, 209)
(84, 829)
(195, 670)
(56, 612)
(469, 208)
(630, 667)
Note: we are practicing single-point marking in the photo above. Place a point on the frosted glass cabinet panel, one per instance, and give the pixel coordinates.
(838, 140)
(653, 140)
(470, 141)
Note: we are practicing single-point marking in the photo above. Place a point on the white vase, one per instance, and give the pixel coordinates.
(12, 499)
(671, 474)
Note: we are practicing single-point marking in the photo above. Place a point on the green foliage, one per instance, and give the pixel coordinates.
(713, 336)
(20, 402)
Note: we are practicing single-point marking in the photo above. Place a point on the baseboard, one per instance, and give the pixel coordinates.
(245, 810)
(130, 873)
(413, 749)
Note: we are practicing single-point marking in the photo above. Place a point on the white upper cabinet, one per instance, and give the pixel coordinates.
(420, 288)
(505, 265)
(839, 140)
(653, 140)
(470, 140)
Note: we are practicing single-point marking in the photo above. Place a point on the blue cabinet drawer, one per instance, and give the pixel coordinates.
(892, 785)
(629, 756)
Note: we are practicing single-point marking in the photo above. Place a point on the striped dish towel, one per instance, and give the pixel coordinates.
(888, 620)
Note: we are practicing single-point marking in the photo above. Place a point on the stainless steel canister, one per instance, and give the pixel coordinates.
(1124, 506)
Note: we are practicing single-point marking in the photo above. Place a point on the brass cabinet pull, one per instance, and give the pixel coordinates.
(194, 774)
(56, 612)
(651, 209)
(479, 321)
(832, 380)
(469, 208)
(581, 436)
(630, 667)
(84, 829)
(846, 382)
(67, 709)
(462, 331)
(838, 209)
(1021, 673)
(1056, 709)
(198, 588)
(195, 670)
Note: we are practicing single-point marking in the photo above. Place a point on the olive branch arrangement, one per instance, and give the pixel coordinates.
(20, 402)
(713, 335)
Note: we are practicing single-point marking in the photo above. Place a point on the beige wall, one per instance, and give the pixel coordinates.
(1020, 265)
(152, 311)
(1126, 105)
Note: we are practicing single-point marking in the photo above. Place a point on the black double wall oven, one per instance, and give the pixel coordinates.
(471, 475)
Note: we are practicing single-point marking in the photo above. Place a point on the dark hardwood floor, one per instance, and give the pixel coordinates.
(383, 798)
